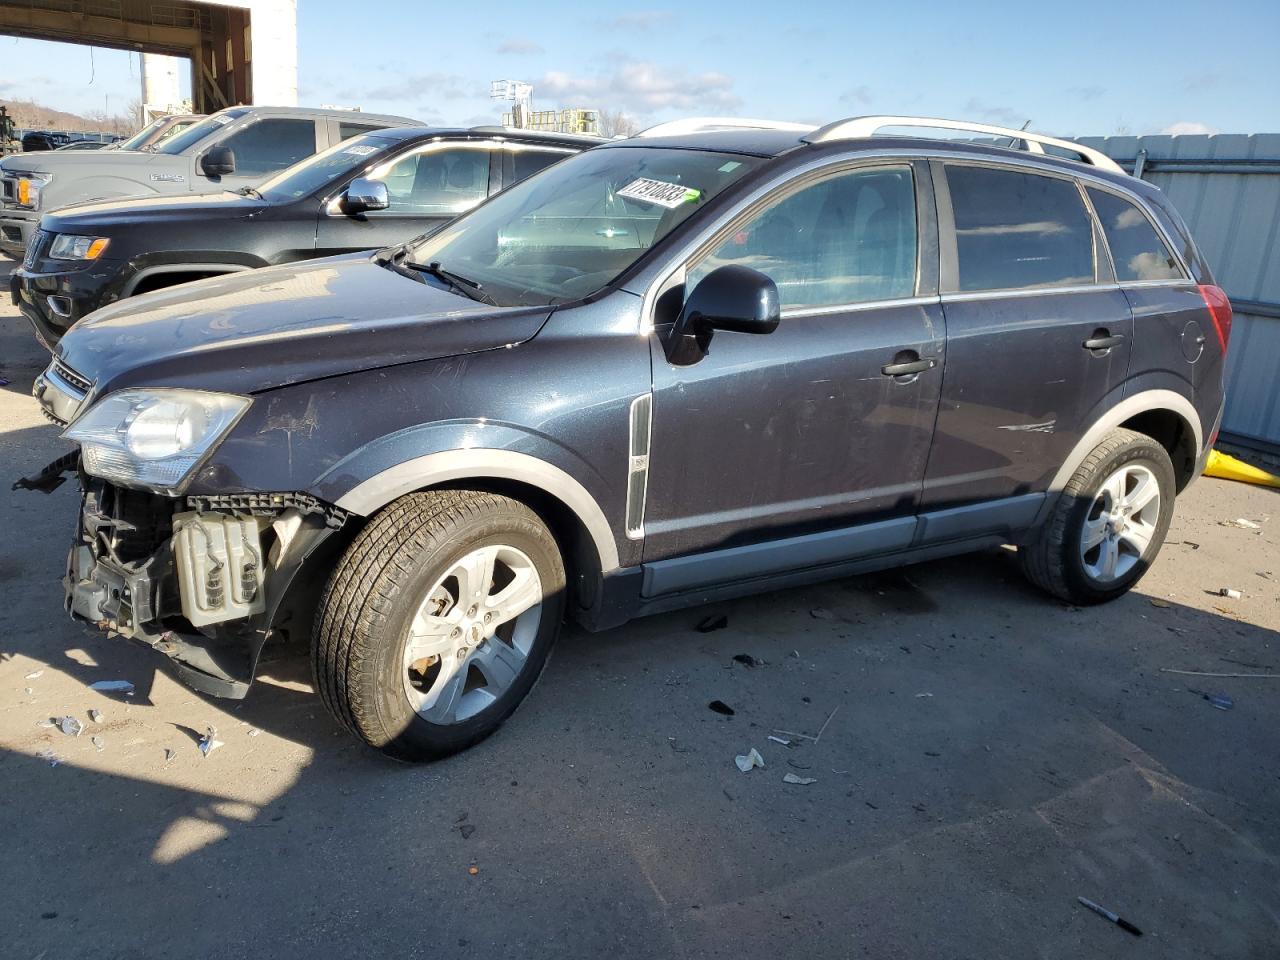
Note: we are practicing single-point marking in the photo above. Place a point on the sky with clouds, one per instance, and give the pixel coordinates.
(1081, 68)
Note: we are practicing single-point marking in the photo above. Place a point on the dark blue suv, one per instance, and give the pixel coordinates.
(717, 358)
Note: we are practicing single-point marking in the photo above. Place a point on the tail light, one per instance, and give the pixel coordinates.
(1220, 310)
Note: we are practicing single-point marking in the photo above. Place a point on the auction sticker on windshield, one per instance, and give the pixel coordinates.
(669, 195)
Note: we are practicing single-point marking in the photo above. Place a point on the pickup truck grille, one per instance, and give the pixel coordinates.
(8, 189)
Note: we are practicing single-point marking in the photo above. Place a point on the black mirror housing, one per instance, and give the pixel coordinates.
(733, 298)
(218, 162)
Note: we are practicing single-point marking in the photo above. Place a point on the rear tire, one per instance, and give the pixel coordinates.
(413, 650)
(1109, 523)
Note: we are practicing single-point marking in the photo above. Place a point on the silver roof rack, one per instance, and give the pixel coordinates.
(857, 127)
(675, 128)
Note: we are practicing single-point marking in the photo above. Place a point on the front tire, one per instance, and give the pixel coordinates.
(1109, 523)
(438, 621)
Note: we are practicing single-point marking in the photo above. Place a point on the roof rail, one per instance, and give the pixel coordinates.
(704, 124)
(856, 127)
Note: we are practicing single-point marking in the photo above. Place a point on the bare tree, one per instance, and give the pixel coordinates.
(615, 123)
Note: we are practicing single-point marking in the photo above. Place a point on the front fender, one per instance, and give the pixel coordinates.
(439, 453)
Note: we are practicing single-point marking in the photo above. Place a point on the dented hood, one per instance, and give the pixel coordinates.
(253, 331)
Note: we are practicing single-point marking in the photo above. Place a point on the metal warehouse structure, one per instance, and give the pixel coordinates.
(217, 36)
(1227, 187)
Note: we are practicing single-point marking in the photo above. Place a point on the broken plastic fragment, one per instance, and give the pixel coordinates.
(33, 675)
(112, 686)
(801, 781)
(785, 743)
(1230, 594)
(749, 761)
(70, 726)
(169, 754)
(47, 722)
(254, 731)
(97, 742)
(95, 716)
(209, 742)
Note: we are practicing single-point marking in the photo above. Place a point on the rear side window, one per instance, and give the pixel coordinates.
(525, 163)
(1018, 230)
(271, 145)
(348, 130)
(847, 239)
(1136, 248)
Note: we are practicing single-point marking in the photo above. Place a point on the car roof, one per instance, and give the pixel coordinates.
(491, 133)
(355, 116)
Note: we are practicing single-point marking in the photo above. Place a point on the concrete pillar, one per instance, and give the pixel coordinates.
(273, 52)
(161, 92)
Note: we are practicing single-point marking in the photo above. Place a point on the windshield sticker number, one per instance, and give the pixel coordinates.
(360, 151)
(669, 195)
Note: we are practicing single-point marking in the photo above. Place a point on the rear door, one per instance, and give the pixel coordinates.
(1038, 334)
(768, 450)
(427, 185)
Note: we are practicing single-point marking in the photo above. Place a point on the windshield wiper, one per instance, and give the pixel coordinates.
(463, 285)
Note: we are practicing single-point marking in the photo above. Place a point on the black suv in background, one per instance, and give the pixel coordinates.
(681, 367)
(233, 148)
(371, 191)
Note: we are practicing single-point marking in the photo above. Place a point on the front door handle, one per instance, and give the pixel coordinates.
(1103, 340)
(908, 363)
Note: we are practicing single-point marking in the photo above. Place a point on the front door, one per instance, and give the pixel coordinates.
(262, 148)
(799, 448)
(1038, 335)
(427, 187)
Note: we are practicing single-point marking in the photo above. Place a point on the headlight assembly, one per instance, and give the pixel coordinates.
(153, 438)
(30, 186)
(67, 246)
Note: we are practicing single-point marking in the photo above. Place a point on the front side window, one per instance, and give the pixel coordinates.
(317, 172)
(1015, 231)
(272, 144)
(1136, 248)
(435, 181)
(575, 227)
(847, 239)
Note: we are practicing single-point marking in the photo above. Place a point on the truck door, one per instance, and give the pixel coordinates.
(262, 148)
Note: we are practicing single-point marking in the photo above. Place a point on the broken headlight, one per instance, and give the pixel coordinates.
(153, 438)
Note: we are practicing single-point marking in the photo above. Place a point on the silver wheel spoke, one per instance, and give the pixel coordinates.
(1147, 489)
(1095, 531)
(500, 663)
(1108, 559)
(443, 706)
(475, 575)
(1121, 523)
(519, 595)
(1138, 536)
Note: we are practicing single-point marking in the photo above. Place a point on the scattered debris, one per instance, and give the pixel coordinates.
(747, 660)
(254, 731)
(717, 621)
(473, 870)
(800, 781)
(719, 706)
(1222, 676)
(1191, 543)
(805, 736)
(1230, 594)
(98, 742)
(70, 726)
(918, 695)
(821, 613)
(1155, 602)
(112, 686)
(467, 829)
(1240, 522)
(169, 755)
(95, 716)
(1219, 700)
(4, 381)
(48, 755)
(209, 742)
(784, 742)
(749, 761)
(1266, 575)
(1119, 921)
(34, 675)
(47, 722)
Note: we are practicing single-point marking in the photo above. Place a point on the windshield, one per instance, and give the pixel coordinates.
(568, 231)
(140, 136)
(198, 131)
(307, 176)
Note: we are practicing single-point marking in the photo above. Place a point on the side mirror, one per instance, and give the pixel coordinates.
(365, 194)
(218, 162)
(732, 298)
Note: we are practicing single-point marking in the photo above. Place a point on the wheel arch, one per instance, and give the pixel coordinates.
(206, 270)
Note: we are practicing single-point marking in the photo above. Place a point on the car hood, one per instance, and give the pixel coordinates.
(259, 329)
(102, 214)
(81, 162)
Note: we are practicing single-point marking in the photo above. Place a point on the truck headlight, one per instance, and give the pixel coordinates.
(30, 186)
(153, 438)
(67, 246)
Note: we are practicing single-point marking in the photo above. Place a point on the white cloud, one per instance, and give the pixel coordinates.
(639, 20)
(519, 47)
(640, 87)
(998, 113)
(1186, 127)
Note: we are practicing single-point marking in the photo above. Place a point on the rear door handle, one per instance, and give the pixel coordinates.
(907, 364)
(1102, 340)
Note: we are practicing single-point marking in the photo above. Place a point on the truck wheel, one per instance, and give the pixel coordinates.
(1108, 525)
(437, 621)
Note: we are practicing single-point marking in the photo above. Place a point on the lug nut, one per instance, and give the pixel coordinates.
(457, 632)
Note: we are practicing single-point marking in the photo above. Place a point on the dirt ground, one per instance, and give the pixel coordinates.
(990, 755)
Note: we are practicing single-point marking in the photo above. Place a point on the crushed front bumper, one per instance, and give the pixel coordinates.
(123, 575)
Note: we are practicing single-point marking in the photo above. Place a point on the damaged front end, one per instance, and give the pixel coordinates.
(204, 580)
